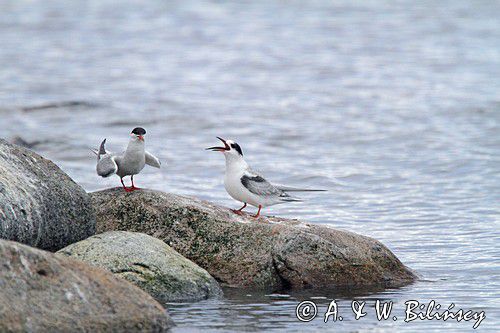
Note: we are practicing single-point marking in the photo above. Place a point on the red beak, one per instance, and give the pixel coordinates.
(222, 149)
(141, 137)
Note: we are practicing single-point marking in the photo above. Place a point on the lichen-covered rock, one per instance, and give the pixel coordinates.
(45, 292)
(147, 262)
(266, 253)
(39, 204)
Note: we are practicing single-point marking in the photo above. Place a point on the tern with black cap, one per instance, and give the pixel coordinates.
(247, 186)
(128, 163)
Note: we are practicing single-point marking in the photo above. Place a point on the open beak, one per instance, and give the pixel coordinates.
(222, 149)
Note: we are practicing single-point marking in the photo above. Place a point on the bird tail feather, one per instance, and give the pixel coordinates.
(296, 189)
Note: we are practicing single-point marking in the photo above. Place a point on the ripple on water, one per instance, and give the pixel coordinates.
(398, 121)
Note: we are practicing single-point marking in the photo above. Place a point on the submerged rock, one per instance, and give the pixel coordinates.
(266, 253)
(39, 204)
(147, 262)
(17, 140)
(45, 292)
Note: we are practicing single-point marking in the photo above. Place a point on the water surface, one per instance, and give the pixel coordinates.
(392, 106)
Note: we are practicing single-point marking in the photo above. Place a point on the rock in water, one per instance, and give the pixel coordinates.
(147, 262)
(267, 253)
(45, 292)
(39, 204)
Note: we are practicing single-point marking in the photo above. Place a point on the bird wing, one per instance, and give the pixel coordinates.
(258, 185)
(106, 166)
(101, 151)
(152, 160)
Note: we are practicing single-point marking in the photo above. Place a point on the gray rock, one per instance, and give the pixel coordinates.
(147, 262)
(45, 292)
(266, 253)
(39, 204)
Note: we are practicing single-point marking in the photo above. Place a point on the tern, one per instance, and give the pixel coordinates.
(247, 186)
(128, 163)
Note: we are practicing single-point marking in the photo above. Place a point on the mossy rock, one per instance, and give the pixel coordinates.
(241, 251)
(148, 263)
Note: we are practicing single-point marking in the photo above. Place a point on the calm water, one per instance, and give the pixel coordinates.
(393, 107)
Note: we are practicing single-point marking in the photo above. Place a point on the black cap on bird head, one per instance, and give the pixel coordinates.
(229, 145)
(139, 131)
(237, 147)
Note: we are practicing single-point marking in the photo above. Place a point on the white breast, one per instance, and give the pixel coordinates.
(133, 160)
(234, 187)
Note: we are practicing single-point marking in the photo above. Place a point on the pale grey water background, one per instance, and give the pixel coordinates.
(392, 106)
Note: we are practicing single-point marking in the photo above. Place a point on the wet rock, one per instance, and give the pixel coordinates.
(266, 253)
(39, 204)
(147, 262)
(45, 292)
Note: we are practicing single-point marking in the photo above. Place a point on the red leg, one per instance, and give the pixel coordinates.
(258, 213)
(125, 187)
(133, 188)
(239, 210)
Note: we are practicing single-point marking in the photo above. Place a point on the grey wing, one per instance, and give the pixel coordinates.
(259, 186)
(152, 160)
(106, 166)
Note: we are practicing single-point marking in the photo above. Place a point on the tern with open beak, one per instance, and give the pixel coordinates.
(247, 186)
(128, 163)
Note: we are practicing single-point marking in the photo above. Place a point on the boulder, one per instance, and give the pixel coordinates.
(45, 292)
(265, 253)
(148, 263)
(39, 204)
